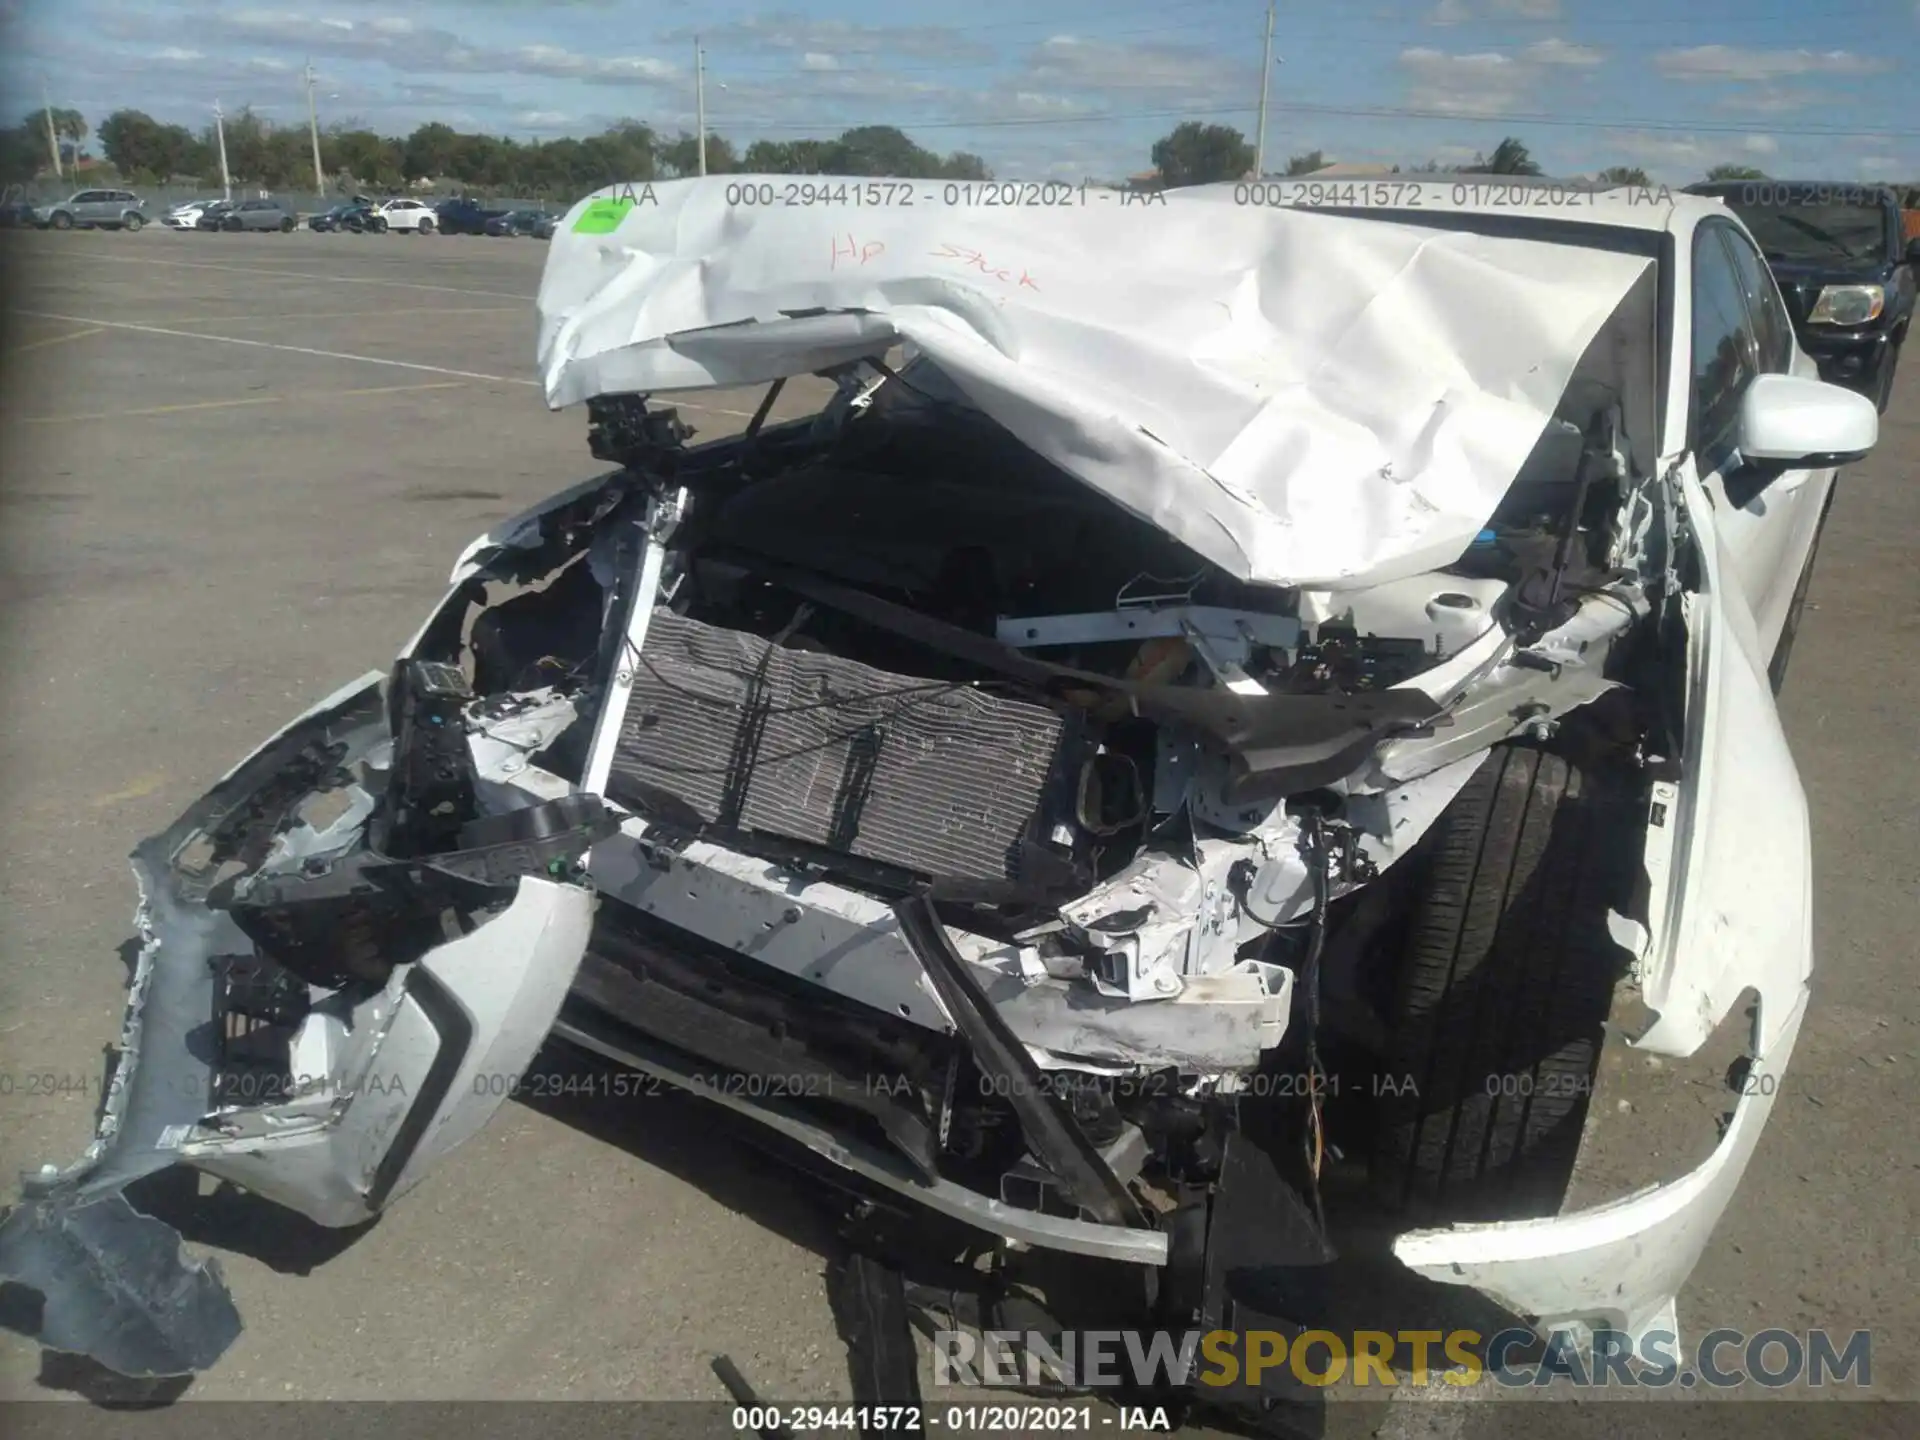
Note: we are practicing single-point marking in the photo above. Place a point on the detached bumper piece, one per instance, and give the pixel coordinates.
(334, 940)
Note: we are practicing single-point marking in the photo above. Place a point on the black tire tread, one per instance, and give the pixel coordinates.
(1508, 971)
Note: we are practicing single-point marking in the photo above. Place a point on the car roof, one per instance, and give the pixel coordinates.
(1568, 202)
(1848, 187)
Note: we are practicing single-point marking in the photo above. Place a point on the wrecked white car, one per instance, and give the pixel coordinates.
(1220, 696)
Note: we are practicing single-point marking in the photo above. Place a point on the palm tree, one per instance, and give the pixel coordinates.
(1509, 157)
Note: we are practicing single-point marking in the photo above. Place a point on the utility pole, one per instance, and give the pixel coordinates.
(313, 133)
(220, 133)
(700, 98)
(1266, 74)
(53, 137)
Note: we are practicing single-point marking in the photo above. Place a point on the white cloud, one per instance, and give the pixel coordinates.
(398, 43)
(1683, 158)
(1458, 12)
(1565, 52)
(566, 64)
(815, 60)
(840, 37)
(1084, 64)
(1733, 62)
(1035, 102)
(1770, 100)
(541, 119)
(1487, 83)
(1884, 167)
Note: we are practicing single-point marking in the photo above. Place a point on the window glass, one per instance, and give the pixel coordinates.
(1723, 345)
(1772, 327)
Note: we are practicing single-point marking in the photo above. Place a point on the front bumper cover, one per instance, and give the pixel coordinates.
(378, 1080)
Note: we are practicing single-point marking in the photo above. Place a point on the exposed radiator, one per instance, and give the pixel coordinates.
(926, 775)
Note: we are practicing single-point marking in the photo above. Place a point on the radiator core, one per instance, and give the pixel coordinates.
(938, 778)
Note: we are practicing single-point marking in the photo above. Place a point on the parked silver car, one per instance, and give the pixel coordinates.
(259, 215)
(87, 209)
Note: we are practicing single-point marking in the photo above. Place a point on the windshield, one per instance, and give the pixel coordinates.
(1815, 231)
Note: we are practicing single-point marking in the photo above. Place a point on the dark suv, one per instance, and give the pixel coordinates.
(1846, 268)
(464, 216)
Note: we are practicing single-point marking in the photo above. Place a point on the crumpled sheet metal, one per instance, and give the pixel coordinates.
(1301, 398)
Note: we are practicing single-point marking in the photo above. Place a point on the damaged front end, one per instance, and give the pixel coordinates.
(336, 942)
(949, 782)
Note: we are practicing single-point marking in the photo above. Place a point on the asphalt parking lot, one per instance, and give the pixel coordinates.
(236, 471)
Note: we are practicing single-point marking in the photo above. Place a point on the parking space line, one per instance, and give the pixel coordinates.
(349, 314)
(274, 345)
(56, 340)
(333, 355)
(272, 272)
(236, 403)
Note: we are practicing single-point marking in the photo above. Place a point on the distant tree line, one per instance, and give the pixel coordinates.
(143, 150)
(260, 153)
(1197, 154)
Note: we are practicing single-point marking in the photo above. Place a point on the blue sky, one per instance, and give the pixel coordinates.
(1041, 87)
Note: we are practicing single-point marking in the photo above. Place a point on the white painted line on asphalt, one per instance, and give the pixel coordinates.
(331, 355)
(199, 405)
(380, 314)
(274, 272)
(274, 345)
(55, 340)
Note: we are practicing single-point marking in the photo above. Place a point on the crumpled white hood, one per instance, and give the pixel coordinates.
(1301, 398)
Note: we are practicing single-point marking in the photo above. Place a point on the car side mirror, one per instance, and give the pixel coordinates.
(1788, 422)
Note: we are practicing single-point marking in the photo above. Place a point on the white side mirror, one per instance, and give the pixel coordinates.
(1790, 423)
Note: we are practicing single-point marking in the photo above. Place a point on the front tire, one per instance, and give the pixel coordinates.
(61, 220)
(1502, 994)
(133, 223)
(426, 227)
(286, 225)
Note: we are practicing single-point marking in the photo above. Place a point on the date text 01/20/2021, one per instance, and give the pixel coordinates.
(966, 1420)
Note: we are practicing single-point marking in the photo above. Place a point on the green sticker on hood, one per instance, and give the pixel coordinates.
(602, 217)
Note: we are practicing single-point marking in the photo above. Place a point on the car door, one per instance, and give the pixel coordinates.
(87, 207)
(1741, 328)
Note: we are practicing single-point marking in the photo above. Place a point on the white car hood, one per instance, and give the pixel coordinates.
(1300, 398)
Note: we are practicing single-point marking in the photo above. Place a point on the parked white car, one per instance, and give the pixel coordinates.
(186, 216)
(415, 217)
(1248, 652)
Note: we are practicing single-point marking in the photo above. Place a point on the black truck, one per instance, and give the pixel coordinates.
(1845, 268)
